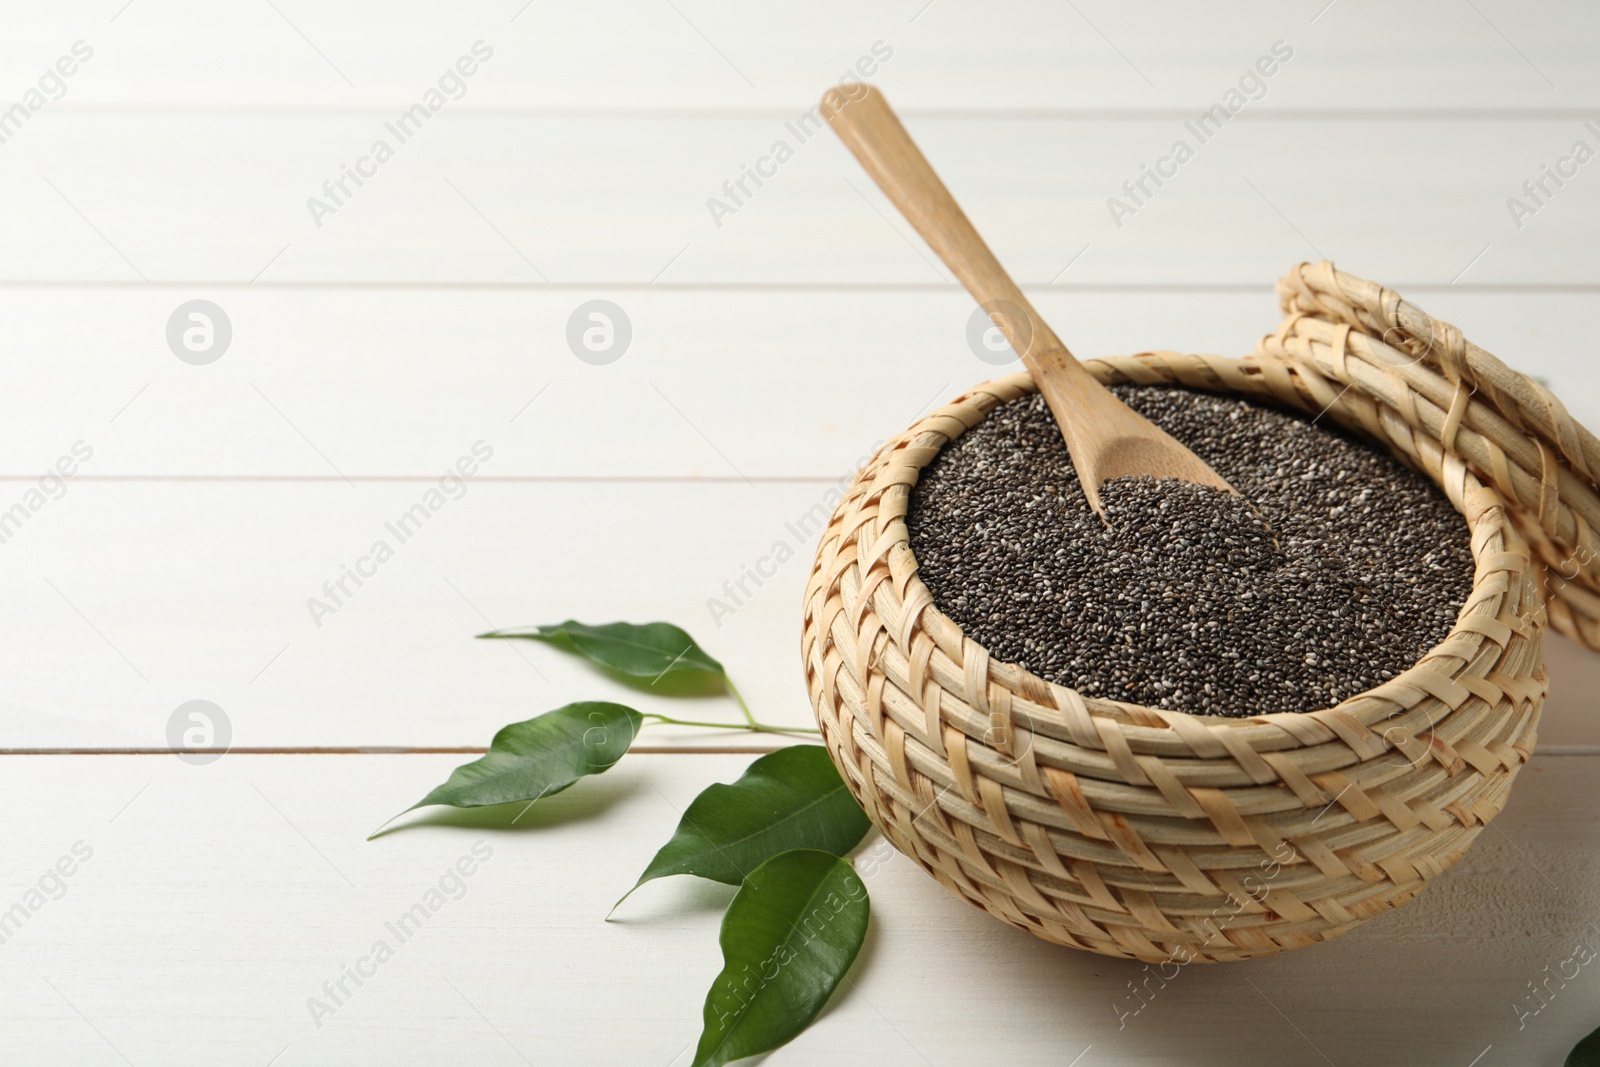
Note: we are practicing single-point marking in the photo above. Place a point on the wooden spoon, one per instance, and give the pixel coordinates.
(1106, 438)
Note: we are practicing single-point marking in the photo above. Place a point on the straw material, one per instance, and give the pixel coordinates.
(1158, 835)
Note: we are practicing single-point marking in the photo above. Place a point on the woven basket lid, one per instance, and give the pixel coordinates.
(1509, 428)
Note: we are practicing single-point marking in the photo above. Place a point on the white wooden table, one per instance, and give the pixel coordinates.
(373, 345)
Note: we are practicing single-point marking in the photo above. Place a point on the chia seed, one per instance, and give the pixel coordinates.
(1184, 601)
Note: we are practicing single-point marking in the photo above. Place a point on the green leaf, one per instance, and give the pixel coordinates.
(791, 798)
(790, 935)
(652, 650)
(538, 758)
(1585, 1053)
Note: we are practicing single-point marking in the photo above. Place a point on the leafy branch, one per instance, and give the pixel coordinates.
(797, 923)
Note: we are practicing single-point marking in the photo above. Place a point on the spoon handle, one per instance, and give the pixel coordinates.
(869, 128)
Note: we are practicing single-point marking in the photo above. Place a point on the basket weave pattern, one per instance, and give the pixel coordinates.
(1139, 832)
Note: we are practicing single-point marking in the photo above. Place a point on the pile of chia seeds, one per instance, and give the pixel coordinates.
(1184, 601)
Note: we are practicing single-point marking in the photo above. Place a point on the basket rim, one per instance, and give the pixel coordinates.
(1149, 723)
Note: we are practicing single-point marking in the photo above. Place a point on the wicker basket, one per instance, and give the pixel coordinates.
(1159, 835)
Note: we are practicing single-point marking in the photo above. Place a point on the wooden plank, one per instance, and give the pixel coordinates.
(587, 200)
(127, 599)
(227, 592)
(184, 591)
(719, 384)
(720, 54)
(217, 901)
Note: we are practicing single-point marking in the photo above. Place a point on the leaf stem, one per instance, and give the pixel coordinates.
(757, 727)
(738, 697)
